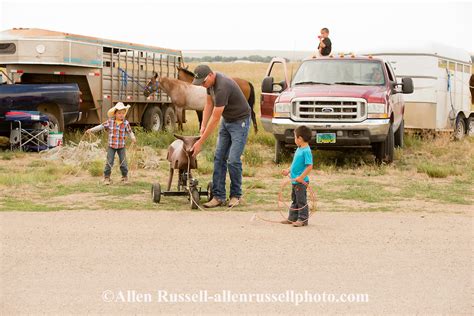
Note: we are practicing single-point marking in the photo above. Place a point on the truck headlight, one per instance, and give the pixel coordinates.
(282, 109)
(376, 108)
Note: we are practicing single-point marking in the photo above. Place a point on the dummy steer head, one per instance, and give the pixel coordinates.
(180, 151)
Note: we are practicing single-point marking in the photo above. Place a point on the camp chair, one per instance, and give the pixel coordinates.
(24, 133)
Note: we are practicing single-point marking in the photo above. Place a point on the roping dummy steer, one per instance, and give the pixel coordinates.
(181, 158)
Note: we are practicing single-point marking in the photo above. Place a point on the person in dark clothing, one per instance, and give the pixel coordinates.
(225, 104)
(325, 44)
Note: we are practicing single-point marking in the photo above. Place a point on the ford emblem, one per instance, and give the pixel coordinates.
(327, 110)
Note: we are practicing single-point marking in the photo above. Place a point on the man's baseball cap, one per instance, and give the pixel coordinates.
(200, 74)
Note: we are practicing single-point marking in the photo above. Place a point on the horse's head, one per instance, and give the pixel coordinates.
(185, 74)
(152, 85)
(188, 142)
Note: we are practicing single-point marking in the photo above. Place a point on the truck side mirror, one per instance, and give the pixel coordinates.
(267, 85)
(407, 85)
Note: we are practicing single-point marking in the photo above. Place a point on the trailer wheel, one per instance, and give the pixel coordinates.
(153, 118)
(470, 126)
(384, 151)
(399, 135)
(156, 192)
(169, 119)
(194, 199)
(460, 128)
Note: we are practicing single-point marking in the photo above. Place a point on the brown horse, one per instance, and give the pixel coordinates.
(244, 85)
(184, 96)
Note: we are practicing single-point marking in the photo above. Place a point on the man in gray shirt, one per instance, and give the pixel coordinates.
(225, 100)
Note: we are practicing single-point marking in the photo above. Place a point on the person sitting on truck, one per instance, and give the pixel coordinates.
(325, 44)
(118, 128)
(300, 168)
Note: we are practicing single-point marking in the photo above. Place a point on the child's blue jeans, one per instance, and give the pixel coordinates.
(110, 161)
(299, 201)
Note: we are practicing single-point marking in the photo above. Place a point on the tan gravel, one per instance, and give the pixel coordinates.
(62, 262)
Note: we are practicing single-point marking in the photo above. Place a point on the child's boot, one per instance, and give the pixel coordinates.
(107, 180)
(125, 179)
(299, 223)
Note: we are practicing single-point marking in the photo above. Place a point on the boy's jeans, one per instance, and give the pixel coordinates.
(230, 146)
(110, 161)
(298, 197)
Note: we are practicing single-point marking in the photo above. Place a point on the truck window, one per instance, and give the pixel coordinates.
(278, 73)
(359, 72)
(391, 77)
(7, 48)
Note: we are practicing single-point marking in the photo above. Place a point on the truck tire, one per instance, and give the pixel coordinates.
(399, 135)
(470, 126)
(153, 118)
(459, 128)
(169, 119)
(384, 151)
(280, 151)
(53, 123)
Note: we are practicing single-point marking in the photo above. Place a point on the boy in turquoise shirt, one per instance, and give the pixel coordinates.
(299, 170)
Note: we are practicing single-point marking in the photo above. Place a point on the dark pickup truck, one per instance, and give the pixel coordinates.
(59, 101)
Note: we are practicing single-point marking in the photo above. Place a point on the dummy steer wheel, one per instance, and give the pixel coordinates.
(156, 192)
(209, 191)
(194, 199)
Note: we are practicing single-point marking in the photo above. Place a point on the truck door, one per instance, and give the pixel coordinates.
(275, 81)
(394, 99)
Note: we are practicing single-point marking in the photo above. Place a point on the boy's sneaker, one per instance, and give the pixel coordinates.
(214, 203)
(107, 181)
(300, 223)
(286, 222)
(125, 180)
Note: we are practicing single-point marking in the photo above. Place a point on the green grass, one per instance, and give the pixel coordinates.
(24, 205)
(437, 171)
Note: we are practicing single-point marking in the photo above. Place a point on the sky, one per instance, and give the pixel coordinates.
(250, 25)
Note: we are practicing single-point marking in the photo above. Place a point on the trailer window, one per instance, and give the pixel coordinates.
(452, 66)
(7, 48)
(467, 69)
(442, 63)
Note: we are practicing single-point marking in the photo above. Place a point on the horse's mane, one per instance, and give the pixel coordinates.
(189, 72)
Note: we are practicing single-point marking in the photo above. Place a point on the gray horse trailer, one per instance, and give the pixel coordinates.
(106, 71)
(442, 98)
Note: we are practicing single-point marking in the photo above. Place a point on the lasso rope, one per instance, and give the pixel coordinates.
(256, 216)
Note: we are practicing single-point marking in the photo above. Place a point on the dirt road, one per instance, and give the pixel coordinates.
(73, 262)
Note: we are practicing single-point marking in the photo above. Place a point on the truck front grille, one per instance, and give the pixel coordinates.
(329, 110)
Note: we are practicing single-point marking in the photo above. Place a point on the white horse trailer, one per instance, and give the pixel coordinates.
(106, 71)
(442, 99)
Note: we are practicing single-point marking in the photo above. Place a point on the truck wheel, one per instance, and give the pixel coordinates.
(399, 135)
(153, 118)
(384, 151)
(156, 192)
(169, 119)
(470, 126)
(53, 123)
(280, 151)
(460, 128)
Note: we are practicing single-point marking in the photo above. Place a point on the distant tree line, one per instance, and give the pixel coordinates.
(208, 59)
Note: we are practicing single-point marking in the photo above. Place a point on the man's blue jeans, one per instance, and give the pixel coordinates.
(230, 146)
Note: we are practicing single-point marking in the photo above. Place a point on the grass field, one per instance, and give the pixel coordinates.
(428, 174)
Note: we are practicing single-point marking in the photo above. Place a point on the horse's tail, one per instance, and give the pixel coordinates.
(251, 101)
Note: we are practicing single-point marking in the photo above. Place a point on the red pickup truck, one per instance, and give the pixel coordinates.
(347, 101)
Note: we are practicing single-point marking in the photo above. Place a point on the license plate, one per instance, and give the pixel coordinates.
(326, 138)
